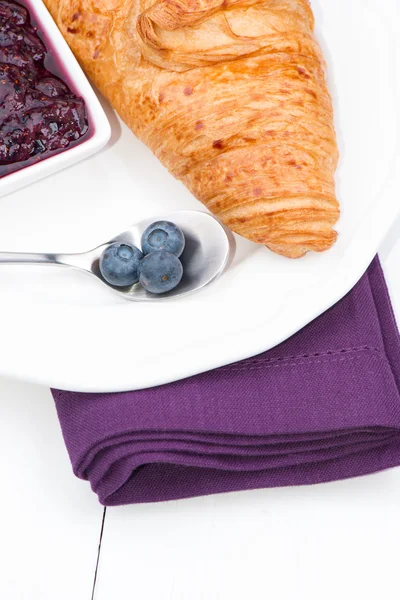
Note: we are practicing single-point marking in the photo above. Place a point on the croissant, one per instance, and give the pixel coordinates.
(231, 96)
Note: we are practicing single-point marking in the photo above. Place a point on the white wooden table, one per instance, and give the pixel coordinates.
(336, 540)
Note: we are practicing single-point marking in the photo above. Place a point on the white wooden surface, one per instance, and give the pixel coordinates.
(49, 521)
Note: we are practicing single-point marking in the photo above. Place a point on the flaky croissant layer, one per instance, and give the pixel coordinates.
(231, 96)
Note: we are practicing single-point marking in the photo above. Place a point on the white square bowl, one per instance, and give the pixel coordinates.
(100, 130)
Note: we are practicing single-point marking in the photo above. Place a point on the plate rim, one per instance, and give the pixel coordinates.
(346, 273)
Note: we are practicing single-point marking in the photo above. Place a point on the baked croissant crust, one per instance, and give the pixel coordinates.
(231, 96)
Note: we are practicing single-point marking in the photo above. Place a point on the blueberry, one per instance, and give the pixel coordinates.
(119, 264)
(163, 235)
(160, 272)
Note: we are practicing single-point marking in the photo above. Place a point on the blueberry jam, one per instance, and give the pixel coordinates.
(39, 114)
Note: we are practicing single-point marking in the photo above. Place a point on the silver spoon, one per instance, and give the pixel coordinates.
(207, 251)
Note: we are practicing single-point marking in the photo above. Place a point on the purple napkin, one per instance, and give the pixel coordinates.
(323, 405)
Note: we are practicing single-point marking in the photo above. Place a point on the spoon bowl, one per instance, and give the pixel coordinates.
(208, 249)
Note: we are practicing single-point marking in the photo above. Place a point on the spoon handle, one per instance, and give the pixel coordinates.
(83, 260)
(28, 258)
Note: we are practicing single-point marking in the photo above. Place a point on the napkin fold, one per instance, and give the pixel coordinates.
(323, 405)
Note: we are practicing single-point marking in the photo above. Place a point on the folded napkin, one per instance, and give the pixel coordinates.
(323, 405)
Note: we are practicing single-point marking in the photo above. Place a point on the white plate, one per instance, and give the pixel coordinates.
(64, 329)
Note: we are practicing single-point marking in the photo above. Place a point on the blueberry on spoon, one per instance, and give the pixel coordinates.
(160, 272)
(119, 264)
(163, 235)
